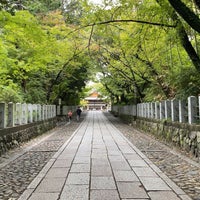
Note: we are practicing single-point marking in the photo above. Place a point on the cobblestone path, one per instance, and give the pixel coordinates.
(19, 167)
(184, 171)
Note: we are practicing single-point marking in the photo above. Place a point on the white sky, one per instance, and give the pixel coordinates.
(96, 1)
(99, 2)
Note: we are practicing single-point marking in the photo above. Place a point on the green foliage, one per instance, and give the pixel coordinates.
(187, 83)
(52, 53)
(42, 62)
(41, 6)
(10, 93)
(140, 61)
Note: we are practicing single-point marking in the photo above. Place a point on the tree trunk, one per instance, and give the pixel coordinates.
(183, 36)
(189, 48)
(187, 14)
(197, 2)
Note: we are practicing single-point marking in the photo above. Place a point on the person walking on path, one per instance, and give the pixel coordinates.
(69, 114)
(78, 112)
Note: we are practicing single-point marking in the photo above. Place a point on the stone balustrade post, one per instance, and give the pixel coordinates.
(148, 110)
(199, 106)
(2, 115)
(138, 112)
(54, 110)
(11, 118)
(145, 110)
(167, 109)
(24, 113)
(152, 105)
(192, 109)
(51, 111)
(175, 111)
(30, 113)
(182, 111)
(34, 112)
(39, 113)
(47, 111)
(162, 110)
(44, 112)
(58, 110)
(140, 109)
(18, 114)
(157, 110)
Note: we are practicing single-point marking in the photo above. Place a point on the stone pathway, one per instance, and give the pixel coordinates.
(21, 165)
(99, 163)
(180, 167)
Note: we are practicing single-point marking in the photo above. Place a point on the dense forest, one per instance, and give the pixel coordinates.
(139, 50)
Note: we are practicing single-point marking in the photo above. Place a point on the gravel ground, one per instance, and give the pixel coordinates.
(20, 166)
(177, 165)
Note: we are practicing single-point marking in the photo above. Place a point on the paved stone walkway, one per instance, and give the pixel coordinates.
(20, 166)
(99, 163)
(181, 167)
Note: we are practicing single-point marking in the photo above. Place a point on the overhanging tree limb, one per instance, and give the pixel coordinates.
(131, 21)
(187, 14)
(126, 21)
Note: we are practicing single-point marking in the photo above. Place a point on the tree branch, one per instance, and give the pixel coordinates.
(131, 21)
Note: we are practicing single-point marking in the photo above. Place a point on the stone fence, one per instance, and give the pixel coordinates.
(21, 122)
(19, 114)
(175, 121)
(172, 110)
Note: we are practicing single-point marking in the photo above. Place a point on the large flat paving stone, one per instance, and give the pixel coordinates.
(63, 163)
(57, 173)
(128, 190)
(154, 183)
(104, 195)
(80, 168)
(44, 196)
(75, 192)
(144, 172)
(101, 170)
(137, 163)
(102, 183)
(82, 160)
(78, 178)
(120, 165)
(164, 195)
(125, 176)
(49, 185)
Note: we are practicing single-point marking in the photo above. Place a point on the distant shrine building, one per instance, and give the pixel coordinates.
(94, 102)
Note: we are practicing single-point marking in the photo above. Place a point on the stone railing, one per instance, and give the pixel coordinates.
(12, 115)
(172, 110)
(174, 121)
